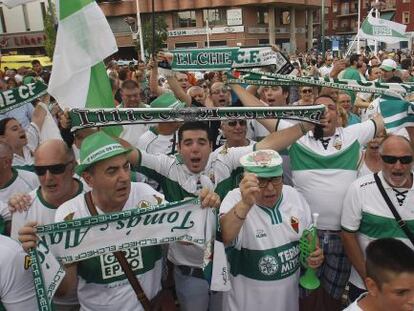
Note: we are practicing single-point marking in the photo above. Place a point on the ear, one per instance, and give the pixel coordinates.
(372, 287)
(88, 179)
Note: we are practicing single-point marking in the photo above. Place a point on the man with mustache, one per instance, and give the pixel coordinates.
(366, 216)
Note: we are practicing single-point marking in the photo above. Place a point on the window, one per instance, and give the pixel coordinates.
(215, 17)
(262, 16)
(184, 19)
(263, 41)
(345, 8)
(216, 43)
(334, 24)
(334, 7)
(285, 18)
(186, 45)
(326, 10)
(406, 1)
(406, 17)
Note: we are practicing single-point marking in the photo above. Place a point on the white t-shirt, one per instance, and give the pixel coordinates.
(354, 306)
(102, 285)
(177, 183)
(322, 175)
(264, 260)
(21, 182)
(17, 291)
(39, 210)
(153, 142)
(131, 133)
(25, 162)
(366, 213)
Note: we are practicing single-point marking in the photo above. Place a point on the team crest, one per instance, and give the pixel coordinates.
(27, 262)
(212, 177)
(143, 204)
(159, 199)
(268, 265)
(294, 222)
(337, 143)
(69, 217)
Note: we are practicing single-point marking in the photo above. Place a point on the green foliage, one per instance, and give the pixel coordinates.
(50, 31)
(161, 34)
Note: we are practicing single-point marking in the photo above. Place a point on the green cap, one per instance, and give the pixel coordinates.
(167, 100)
(97, 147)
(264, 163)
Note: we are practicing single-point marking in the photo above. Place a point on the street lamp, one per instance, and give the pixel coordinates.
(136, 30)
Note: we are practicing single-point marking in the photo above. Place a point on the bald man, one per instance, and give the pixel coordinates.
(365, 210)
(54, 166)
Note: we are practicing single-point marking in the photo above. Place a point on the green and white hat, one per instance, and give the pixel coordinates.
(263, 163)
(97, 147)
(167, 100)
(388, 64)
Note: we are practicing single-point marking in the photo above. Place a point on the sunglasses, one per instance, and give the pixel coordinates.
(55, 169)
(392, 160)
(307, 91)
(234, 123)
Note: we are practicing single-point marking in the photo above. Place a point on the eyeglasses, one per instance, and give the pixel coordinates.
(264, 182)
(234, 123)
(392, 160)
(307, 91)
(55, 169)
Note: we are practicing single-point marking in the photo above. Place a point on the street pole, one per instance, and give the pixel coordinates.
(141, 40)
(153, 29)
(359, 26)
(323, 28)
(208, 33)
(376, 16)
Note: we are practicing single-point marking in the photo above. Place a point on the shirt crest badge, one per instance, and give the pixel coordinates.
(294, 222)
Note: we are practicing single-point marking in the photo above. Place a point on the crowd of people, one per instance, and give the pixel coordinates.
(265, 177)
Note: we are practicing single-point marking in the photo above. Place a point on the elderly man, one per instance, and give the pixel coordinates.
(185, 174)
(263, 221)
(366, 216)
(54, 166)
(105, 167)
(131, 98)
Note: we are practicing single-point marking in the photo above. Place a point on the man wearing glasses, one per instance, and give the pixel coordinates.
(263, 221)
(54, 166)
(366, 216)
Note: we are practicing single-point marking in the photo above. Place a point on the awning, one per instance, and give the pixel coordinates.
(387, 15)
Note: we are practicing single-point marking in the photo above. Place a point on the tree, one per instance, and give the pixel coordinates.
(161, 34)
(50, 30)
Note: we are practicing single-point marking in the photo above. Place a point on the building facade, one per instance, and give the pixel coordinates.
(214, 23)
(21, 28)
(342, 19)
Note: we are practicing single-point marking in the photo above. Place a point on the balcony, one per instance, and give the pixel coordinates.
(345, 29)
(346, 13)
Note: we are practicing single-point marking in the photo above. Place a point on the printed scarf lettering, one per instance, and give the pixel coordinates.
(75, 240)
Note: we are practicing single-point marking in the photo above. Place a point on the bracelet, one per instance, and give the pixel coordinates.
(302, 128)
(238, 217)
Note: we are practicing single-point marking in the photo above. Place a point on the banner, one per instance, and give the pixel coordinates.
(19, 96)
(382, 30)
(84, 118)
(390, 89)
(84, 238)
(224, 59)
(397, 114)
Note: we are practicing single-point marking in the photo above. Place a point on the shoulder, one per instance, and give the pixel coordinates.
(71, 209)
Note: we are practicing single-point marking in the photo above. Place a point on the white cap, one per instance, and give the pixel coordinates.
(388, 64)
